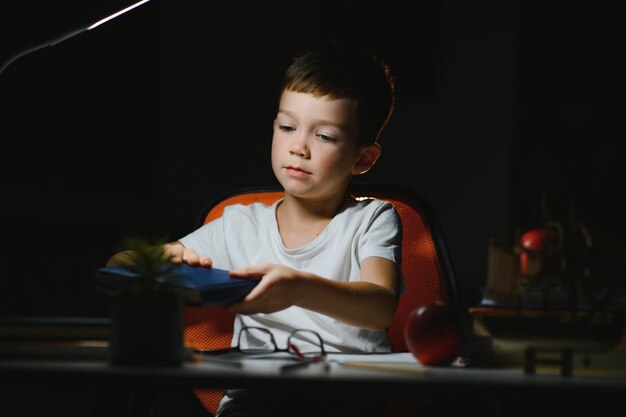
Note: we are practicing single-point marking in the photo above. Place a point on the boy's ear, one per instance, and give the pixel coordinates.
(369, 156)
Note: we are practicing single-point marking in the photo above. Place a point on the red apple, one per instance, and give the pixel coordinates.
(434, 334)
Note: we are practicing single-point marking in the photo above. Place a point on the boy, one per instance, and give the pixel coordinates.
(327, 262)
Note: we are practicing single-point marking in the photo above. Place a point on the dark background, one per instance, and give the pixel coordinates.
(131, 128)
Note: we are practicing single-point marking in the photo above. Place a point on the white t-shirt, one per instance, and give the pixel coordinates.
(248, 235)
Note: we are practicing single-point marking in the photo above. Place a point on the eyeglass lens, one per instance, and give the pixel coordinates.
(312, 349)
(256, 340)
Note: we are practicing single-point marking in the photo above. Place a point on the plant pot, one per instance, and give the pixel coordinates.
(147, 329)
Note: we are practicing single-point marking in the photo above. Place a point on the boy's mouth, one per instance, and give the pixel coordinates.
(297, 171)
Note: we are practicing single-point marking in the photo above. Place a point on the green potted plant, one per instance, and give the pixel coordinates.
(146, 312)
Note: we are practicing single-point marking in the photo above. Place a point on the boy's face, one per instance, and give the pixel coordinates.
(314, 149)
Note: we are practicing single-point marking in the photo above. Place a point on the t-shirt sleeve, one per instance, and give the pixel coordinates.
(383, 237)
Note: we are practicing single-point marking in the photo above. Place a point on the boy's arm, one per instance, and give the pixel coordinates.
(369, 303)
(123, 258)
(174, 250)
(178, 254)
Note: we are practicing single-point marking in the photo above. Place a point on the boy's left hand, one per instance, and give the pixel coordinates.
(280, 287)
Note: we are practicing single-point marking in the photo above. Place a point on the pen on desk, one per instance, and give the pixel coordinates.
(299, 365)
(291, 366)
(210, 359)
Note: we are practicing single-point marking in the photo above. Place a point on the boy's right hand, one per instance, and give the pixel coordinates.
(179, 254)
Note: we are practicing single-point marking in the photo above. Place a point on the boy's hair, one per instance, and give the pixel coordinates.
(337, 70)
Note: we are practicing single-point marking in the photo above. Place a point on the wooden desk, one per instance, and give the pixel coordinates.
(254, 373)
(502, 388)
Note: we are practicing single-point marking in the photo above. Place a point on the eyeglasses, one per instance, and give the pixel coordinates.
(305, 345)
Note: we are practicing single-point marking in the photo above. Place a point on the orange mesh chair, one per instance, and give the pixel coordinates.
(426, 267)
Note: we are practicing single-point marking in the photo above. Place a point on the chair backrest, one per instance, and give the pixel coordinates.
(426, 267)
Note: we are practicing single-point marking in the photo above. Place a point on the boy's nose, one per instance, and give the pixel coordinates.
(299, 148)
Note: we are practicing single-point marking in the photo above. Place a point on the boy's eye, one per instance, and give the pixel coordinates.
(286, 128)
(325, 138)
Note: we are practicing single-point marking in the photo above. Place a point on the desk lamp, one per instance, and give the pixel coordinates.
(69, 35)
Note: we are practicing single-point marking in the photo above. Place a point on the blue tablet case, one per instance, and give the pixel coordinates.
(199, 285)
